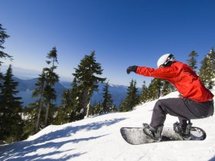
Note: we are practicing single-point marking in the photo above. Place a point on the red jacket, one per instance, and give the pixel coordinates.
(183, 78)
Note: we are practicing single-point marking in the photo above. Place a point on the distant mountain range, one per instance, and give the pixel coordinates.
(26, 87)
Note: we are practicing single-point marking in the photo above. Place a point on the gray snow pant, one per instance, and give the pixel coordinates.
(184, 109)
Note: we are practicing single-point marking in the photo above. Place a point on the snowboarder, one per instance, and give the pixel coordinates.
(195, 100)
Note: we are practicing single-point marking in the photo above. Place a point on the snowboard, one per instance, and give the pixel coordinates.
(136, 136)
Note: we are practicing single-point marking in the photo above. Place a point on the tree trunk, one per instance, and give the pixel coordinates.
(39, 111)
(47, 115)
(88, 109)
(87, 102)
(38, 116)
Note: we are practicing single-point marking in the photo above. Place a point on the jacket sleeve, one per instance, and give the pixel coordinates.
(163, 73)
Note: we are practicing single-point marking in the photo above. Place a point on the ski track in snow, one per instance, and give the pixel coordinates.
(98, 139)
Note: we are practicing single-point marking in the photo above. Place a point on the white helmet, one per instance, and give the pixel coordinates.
(165, 59)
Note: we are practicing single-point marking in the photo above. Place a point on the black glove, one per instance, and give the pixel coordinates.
(131, 69)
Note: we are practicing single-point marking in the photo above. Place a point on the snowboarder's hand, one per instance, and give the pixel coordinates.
(131, 69)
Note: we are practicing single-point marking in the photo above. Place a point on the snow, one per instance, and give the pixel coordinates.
(98, 139)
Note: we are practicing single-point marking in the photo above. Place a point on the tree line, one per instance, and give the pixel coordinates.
(17, 122)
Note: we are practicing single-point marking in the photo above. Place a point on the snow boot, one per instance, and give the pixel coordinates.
(183, 129)
(153, 133)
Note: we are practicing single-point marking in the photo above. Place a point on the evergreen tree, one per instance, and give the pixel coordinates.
(98, 109)
(212, 62)
(132, 98)
(207, 69)
(45, 91)
(3, 36)
(39, 104)
(166, 88)
(64, 111)
(107, 103)
(75, 108)
(87, 76)
(30, 115)
(70, 111)
(144, 95)
(51, 79)
(192, 62)
(154, 89)
(11, 124)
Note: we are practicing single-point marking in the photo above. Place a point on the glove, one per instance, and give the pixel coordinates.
(131, 69)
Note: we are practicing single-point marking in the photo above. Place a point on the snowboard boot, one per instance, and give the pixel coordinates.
(183, 129)
(153, 133)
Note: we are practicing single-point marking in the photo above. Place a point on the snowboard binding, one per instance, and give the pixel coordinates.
(188, 132)
(154, 134)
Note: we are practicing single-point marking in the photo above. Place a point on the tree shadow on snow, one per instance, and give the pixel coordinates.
(70, 130)
(26, 150)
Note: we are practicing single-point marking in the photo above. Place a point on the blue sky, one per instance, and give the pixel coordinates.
(122, 32)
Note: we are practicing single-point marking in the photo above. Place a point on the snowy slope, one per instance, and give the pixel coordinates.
(98, 139)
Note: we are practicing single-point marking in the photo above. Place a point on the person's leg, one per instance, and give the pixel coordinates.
(199, 110)
(162, 107)
(184, 109)
(172, 106)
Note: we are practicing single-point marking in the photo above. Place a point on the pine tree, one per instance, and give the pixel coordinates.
(192, 62)
(70, 109)
(45, 91)
(11, 124)
(166, 88)
(98, 109)
(132, 98)
(64, 111)
(212, 62)
(51, 79)
(76, 110)
(207, 69)
(144, 95)
(154, 89)
(107, 103)
(3, 36)
(39, 94)
(87, 76)
(30, 115)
